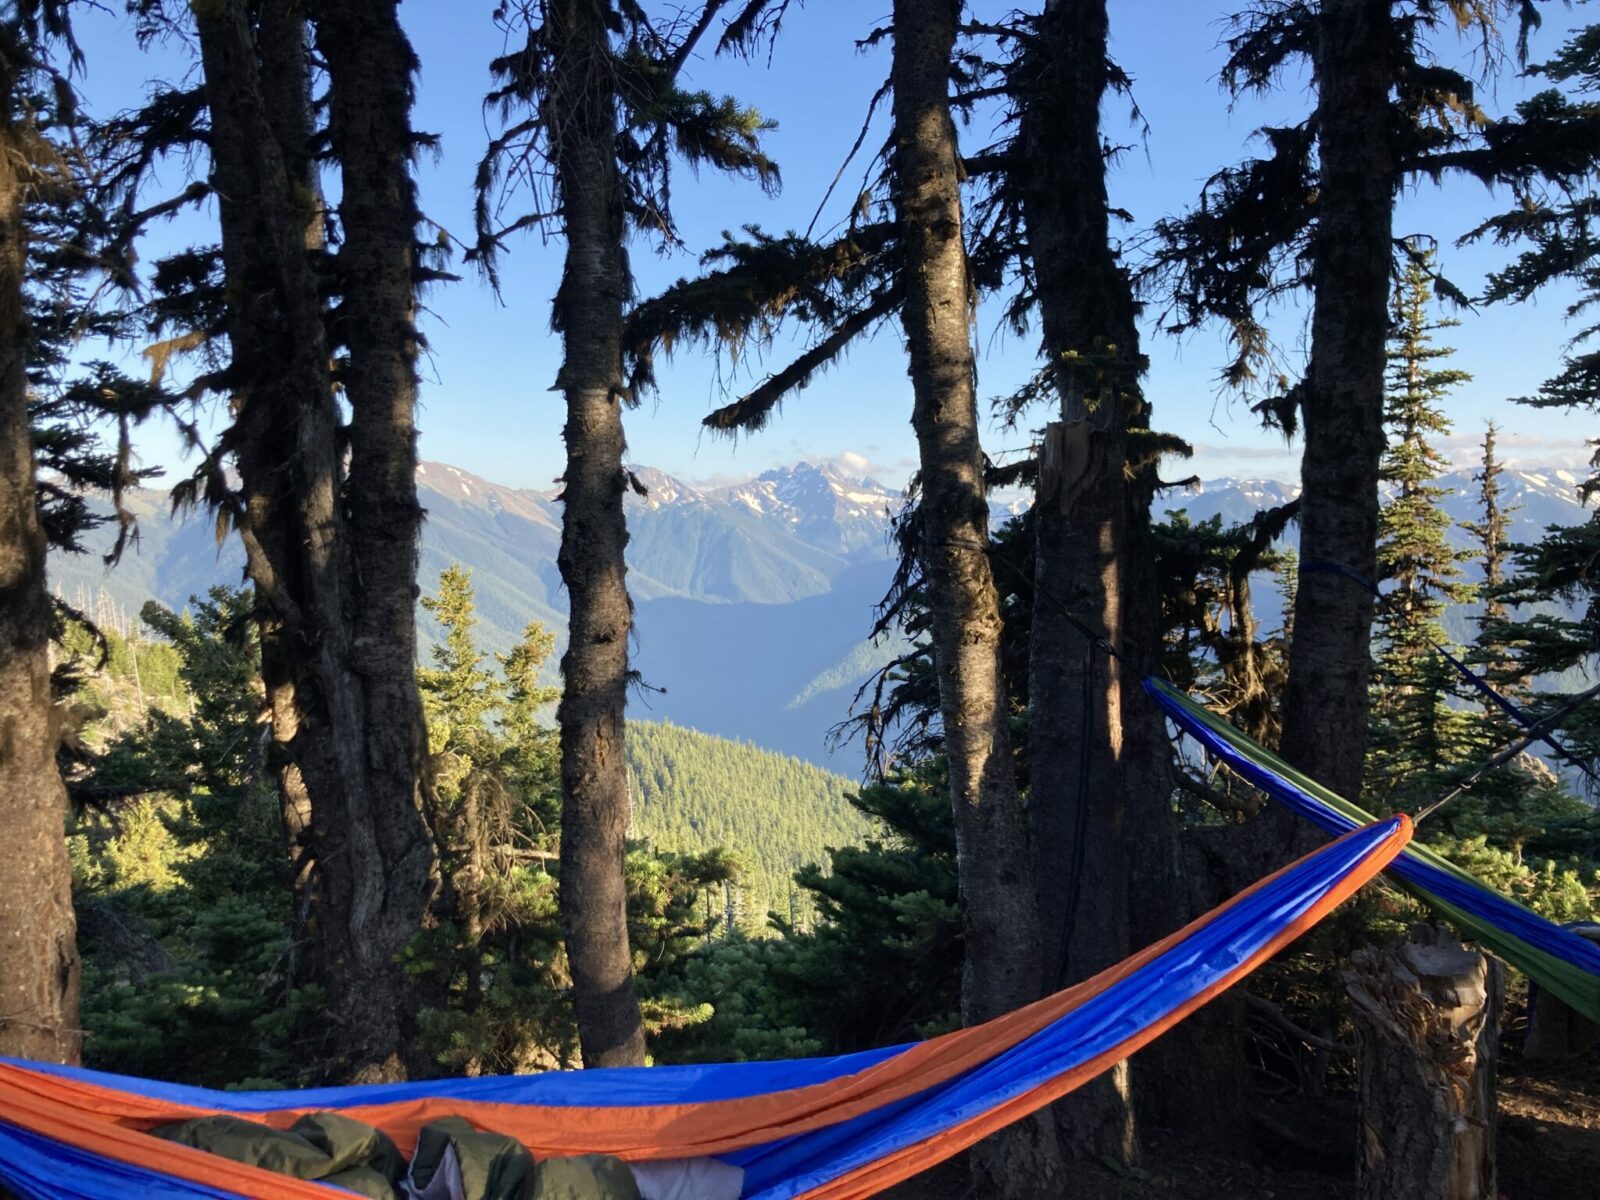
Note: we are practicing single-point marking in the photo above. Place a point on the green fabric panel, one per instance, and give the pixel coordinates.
(363, 1181)
(591, 1177)
(493, 1166)
(251, 1143)
(322, 1147)
(349, 1143)
(1571, 984)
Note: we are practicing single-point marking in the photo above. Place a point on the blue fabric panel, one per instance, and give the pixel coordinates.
(1098, 1025)
(36, 1168)
(1472, 897)
(610, 1087)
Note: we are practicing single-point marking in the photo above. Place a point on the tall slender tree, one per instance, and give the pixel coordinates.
(39, 969)
(1317, 213)
(1002, 968)
(371, 73)
(1552, 222)
(581, 106)
(597, 88)
(1341, 400)
(1490, 649)
(1091, 522)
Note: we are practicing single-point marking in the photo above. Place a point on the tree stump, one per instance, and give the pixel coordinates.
(1426, 1017)
(1555, 1030)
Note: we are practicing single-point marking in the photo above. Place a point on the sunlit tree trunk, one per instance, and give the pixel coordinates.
(581, 110)
(1002, 932)
(1081, 518)
(38, 933)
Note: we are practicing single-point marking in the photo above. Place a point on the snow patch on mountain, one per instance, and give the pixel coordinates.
(823, 505)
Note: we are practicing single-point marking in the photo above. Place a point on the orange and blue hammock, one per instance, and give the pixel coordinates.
(830, 1127)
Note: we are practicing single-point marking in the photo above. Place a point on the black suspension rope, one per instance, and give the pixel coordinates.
(1506, 755)
(1539, 731)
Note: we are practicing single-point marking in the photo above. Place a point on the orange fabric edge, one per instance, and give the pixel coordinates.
(874, 1177)
(66, 1109)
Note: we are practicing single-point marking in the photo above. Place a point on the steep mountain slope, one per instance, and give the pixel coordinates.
(694, 792)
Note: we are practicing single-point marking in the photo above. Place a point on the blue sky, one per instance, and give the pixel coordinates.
(487, 406)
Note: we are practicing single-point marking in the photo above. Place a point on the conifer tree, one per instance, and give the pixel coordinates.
(1003, 970)
(1489, 651)
(1552, 220)
(326, 509)
(1317, 212)
(1095, 481)
(593, 107)
(1417, 736)
(39, 968)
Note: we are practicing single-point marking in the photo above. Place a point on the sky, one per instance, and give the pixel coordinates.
(487, 403)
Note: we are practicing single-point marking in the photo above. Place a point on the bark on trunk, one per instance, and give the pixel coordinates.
(265, 460)
(1084, 514)
(1002, 967)
(370, 857)
(581, 108)
(1426, 1017)
(370, 69)
(38, 933)
(1556, 1031)
(1325, 705)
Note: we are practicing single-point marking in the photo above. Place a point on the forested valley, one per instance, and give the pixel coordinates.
(1177, 836)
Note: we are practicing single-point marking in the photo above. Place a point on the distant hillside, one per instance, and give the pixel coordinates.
(693, 791)
(1533, 498)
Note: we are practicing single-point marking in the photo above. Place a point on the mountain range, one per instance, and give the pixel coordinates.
(754, 599)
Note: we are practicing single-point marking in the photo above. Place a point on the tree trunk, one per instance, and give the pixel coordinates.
(38, 933)
(1084, 514)
(1556, 1031)
(1426, 1017)
(1002, 968)
(581, 109)
(265, 457)
(371, 859)
(1325, 705)
(370, 66)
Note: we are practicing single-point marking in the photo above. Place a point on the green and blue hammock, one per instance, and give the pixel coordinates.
(1557, 959)
(831, 1128)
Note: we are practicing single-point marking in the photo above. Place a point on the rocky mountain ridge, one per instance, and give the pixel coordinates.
(754, 598)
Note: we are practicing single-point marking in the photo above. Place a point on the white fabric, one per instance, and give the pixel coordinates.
(446, 1183)
(688, 1179)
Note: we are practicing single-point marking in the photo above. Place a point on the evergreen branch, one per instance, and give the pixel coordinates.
(753, 410)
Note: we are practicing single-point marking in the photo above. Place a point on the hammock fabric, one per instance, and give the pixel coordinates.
(830, 1127)
(1555, 958)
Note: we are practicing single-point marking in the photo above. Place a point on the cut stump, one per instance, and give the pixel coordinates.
(1426, 1016)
